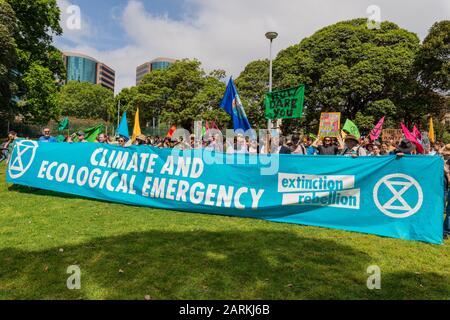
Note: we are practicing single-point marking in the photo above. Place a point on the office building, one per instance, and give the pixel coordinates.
(83, 68)
(156, 64)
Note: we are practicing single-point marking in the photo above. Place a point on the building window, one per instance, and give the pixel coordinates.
(81, 69)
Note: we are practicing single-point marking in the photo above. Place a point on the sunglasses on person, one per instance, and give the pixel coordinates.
(121, 140)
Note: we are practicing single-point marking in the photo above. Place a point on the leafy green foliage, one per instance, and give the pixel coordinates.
(8, 57)
(434, 57)
(85, 100)
(39, 104)
(362, 73)
(27, 37)
(179, 95)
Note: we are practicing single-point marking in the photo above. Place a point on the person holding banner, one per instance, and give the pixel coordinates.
(404, 147)
(46, 137)
(384, 149)
(102, 138)
(353, 147)
(121, 141)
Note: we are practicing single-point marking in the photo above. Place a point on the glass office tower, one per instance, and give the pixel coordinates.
(156, 64)
(83, 68)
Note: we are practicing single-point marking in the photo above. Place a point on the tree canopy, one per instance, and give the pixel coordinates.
(26, 30)
(179, 95)
(346, 67)
(86, 100)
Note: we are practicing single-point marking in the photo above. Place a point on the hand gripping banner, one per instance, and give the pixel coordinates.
(387, 196)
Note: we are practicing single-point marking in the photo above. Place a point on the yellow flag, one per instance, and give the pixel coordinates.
(137, 127)
(431, 131)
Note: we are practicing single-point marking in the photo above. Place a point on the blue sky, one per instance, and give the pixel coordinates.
(105, 15)
(222, 34)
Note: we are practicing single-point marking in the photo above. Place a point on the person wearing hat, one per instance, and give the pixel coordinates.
(404, 147)
(141, 140)
(352, 147)
(81, 136)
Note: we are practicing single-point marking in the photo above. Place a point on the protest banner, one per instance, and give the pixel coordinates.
(388, 196)
(391, 134)
(285, 104)
(330, 123)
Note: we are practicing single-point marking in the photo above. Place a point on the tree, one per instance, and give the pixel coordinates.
(85, 100)
(349, 68)
(34, 25)
(434, 57)
(179, 95)
(252, 85)
(125, 99)
(39, 103)
(8, 57)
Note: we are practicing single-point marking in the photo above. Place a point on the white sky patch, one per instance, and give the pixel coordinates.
(86, 30)
(229, 34)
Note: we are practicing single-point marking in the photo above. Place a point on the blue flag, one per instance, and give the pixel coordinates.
(232, 104)
(122, 130)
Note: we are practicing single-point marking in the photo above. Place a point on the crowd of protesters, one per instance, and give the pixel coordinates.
(350, 145)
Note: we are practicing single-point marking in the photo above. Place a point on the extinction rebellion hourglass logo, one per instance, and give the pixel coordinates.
(398, 195)
(21, 158)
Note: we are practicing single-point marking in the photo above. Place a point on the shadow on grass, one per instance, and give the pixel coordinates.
(42, 192)
(207, 265)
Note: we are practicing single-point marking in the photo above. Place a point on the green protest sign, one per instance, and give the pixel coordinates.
(285, 104)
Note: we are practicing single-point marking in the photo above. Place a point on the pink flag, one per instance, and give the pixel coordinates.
(214, 125)
(417, 133)
(412, 138)
(375, 133)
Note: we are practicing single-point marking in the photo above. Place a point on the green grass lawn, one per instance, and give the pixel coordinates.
(127, 252)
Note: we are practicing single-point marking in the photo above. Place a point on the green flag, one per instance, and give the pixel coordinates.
(90, 134)
(64, 124)
(312, 136)
(285, 104)
(351, 128)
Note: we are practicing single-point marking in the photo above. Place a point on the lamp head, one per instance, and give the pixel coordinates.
(271, 35)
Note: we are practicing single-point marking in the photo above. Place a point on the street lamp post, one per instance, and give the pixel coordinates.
(271, 35)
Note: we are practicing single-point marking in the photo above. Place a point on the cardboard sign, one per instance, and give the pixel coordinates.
(330, 123)
(391, 134)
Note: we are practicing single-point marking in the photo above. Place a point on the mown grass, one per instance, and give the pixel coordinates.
(127, 252)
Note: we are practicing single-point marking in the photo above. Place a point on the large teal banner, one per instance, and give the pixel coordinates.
(387, 196)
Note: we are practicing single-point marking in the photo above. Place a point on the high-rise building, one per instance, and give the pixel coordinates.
(83, 68)
(155, 64)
